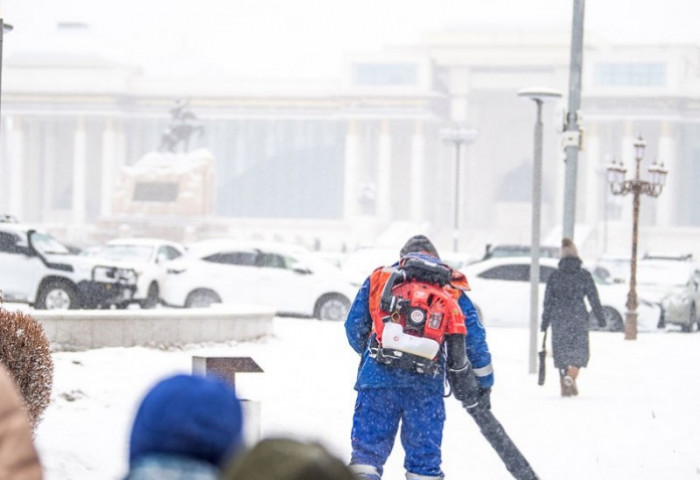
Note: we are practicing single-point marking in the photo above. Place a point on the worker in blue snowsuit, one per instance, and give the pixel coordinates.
(387, 395)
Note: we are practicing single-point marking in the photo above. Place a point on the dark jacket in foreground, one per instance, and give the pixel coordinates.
(565, 310)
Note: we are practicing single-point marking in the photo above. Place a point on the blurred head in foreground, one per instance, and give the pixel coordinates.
(287, 459)
(187, 417)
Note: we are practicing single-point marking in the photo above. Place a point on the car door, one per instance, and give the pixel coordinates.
(20, 273)
(502, 293)
(164, 255)
(290, 284)
(233, 275)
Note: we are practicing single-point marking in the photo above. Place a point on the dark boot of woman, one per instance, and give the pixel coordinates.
(572, 373)
(566, 383)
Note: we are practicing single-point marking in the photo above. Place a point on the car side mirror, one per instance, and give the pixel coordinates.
(301, 269)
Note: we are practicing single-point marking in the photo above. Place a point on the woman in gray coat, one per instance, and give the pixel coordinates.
(565, 310)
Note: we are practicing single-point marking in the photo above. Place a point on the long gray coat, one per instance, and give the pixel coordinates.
(565, 310)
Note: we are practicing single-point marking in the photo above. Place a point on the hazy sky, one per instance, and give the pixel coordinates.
(309, 37)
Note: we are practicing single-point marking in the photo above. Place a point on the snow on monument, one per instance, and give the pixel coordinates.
(169, 189)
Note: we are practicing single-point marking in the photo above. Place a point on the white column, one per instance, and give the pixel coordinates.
(79, 172)
(109, 168)
(667, 156)
(48, 183)
(383, 194)
(417, 197)
(18, 181)
(352, 165)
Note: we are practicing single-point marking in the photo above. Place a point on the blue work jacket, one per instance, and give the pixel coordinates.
(371, 374)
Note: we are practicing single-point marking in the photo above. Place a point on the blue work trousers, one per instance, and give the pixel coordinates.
(378, 412)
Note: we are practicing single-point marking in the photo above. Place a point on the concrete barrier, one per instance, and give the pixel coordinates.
(162, 327)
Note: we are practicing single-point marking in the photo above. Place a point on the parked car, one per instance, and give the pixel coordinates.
(37, 269)
(675, 286)
(516, 250)
(149, 257)
(358, 265)
(501, 293)
(615, 268)
(292, 280)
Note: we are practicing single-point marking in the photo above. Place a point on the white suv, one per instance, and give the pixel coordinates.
(36, 269)
(287, 278)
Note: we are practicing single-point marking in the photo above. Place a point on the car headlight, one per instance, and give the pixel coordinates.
(127, 275)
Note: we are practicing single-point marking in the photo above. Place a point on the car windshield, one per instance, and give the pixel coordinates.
(601, 276)
(46, 244)
(140, 253)
(664, 275)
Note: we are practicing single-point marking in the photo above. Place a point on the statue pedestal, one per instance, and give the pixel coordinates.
(167, 184)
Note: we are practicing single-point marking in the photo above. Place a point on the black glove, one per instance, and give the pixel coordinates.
(485, 398)
(464, 385)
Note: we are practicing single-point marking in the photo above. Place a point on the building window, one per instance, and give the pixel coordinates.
(630, 74)
(392, 74)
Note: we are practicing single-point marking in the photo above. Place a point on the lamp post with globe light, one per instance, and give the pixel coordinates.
(539, 95)
(458, 135)
(619, 185)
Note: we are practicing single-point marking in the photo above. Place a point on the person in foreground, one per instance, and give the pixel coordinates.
(409, 323)
(18, 456)
(564, 309)
(287, 459)
(186, 427)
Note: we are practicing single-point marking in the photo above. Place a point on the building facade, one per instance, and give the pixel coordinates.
(351, 159)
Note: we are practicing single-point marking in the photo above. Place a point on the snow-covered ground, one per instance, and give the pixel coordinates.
(638, 414)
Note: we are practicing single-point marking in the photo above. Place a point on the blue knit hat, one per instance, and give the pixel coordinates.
(187, 415)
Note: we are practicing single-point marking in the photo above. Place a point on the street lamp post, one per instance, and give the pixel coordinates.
(458, 135)
(620, 186)
(539, 96)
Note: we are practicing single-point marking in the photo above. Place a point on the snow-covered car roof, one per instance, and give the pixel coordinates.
(14, 227)
(479, 267)
(143, 241)
(205, 247)
(664, 272)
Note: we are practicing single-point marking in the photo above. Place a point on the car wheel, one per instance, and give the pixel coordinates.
(332, 307)
(151, 297)
(613, 321)
(201, 299)
(690, 326)
(57, 295)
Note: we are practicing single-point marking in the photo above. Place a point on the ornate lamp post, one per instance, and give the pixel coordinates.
(458, 135)
(620, 186)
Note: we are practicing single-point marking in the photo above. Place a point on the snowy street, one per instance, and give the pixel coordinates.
(637, 415)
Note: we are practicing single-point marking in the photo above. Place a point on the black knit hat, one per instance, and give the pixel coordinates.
(417, 244)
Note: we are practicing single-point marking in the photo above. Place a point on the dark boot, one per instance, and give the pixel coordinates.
(565, 381)
(572, 373)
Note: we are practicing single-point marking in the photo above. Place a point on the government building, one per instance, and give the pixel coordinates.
(360, 160)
